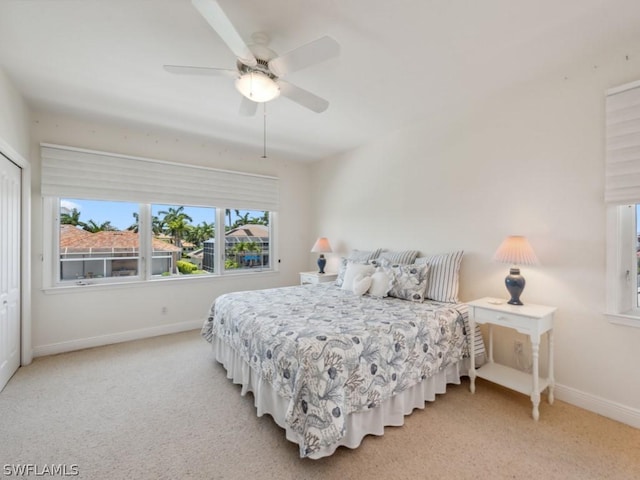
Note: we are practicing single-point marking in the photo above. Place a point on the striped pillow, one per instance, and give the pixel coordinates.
(443, 276)
(404, 257)
(363, 256)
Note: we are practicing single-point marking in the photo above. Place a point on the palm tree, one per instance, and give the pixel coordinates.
(242, 219)
(227, 212)
(208, 230)
(198, 234)
(239, 249)
(157, 225)
(191, 234)
(72, 218)
(135, 227)
(177, 228)
(176, 222)
(93, 227)
(255, 247)
(261, 220)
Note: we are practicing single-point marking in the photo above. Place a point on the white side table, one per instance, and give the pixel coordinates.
(313, 278)
(531, 320)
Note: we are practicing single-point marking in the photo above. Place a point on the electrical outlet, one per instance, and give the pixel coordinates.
(517, 347)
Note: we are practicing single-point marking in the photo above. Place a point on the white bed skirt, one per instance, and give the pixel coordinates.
(359, 424)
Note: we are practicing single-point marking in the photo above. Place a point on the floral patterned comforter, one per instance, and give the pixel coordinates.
(332, 353)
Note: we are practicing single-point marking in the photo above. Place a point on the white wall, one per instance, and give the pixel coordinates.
(529, 161)
(64, 321)
(14, 118)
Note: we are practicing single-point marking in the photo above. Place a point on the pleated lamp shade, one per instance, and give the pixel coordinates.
(321, 246)
(516, 250)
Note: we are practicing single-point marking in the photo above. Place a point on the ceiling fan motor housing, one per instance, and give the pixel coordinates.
(262, 66)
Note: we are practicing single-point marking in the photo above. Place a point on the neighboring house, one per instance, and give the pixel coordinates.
(186, 246)
(196, 257)
(247, 244)
(109, 254)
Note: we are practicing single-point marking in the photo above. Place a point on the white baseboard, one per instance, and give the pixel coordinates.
(81, 343)
(601, 406)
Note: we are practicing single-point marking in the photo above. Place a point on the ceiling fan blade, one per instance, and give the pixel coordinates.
(209, 71)
(303, 97)
(248, 108)
(215, 16)
(314, 52)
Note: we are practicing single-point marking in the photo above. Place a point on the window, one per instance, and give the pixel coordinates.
(99, 241)
(96, 240)
(115, 218)
(246, 240)
(623, 264)
(622, 195)
(178, 236)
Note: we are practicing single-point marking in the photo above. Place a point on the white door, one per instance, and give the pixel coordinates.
(10, 195)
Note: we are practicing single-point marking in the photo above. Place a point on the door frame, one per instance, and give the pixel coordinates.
(26, 348)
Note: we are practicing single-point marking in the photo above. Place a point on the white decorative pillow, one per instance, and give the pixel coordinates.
(381, 283)
(361, 284)
(353, 270)
(444, 276)
(356, 256)
(409, 281)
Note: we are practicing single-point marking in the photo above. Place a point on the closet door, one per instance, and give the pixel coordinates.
(10, 195)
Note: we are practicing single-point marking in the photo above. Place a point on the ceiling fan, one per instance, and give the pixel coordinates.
(259, 70)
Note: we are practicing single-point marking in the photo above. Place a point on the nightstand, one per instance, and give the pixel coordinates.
(531, 320)
(314, 278)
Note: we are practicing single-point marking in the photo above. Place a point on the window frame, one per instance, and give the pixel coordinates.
(224, 252)
(621, 192)
(51, 252)
(621, 266)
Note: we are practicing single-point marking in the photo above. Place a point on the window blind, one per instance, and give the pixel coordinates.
(622, 167)
(77, 173)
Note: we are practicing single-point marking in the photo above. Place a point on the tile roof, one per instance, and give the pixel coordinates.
(77, 239)
(251, 230)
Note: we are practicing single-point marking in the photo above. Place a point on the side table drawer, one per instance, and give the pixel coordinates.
(502, 318)
(313, 278)
(307, 279)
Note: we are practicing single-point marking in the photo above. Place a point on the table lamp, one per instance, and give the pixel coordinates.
(515, 250)
(321, 246)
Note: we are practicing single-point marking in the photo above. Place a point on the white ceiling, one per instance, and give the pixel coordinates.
(400, 61)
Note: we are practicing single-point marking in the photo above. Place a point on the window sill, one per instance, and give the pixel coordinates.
(625, 319)
(93, 287)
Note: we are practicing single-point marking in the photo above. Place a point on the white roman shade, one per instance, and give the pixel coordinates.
(76, 173)
(622, 170)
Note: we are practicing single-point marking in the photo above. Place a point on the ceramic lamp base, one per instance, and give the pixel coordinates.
(321, 263)
(515, 285)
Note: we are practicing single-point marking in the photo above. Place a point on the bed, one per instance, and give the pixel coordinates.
(332, 366)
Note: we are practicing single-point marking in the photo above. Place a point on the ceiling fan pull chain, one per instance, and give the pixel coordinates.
(264, 151)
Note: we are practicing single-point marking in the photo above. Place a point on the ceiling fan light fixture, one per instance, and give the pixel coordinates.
(257, 86)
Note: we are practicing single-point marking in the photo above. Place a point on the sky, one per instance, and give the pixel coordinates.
(120, 214)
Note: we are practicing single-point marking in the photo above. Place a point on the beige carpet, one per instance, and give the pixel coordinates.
(162, 409)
